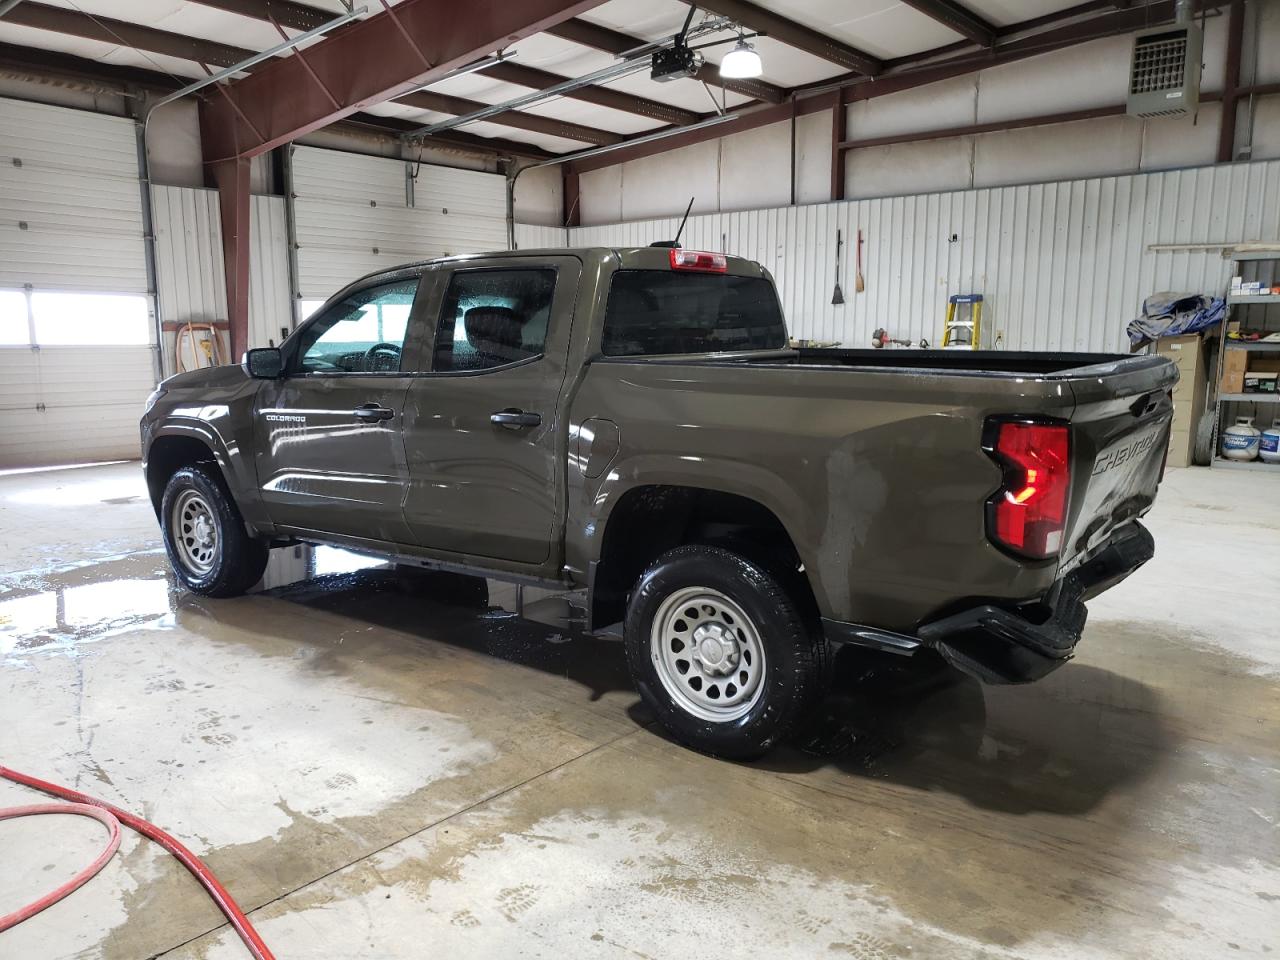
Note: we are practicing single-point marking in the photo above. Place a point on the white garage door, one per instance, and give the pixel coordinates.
(76, 328)
(355, 214)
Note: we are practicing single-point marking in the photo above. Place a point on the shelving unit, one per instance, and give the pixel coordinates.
(1250, 262)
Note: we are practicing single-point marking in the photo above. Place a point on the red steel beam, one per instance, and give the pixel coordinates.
(368, 62)
(572, 197)
(611, 41)
(854, 88)
(296, 16)
(955, 17)
(536, 123)
(231, 177)
(794, 34)
(1231, 79)
(839, 116)
(106, 30)
(536, 79)
(457, 139)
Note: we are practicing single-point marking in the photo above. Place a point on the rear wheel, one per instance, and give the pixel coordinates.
(721, 652)
(209, 548)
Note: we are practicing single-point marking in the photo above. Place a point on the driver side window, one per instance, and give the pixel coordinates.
(362, 333)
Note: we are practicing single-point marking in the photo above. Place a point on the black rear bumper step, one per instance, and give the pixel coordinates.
(1000, 644)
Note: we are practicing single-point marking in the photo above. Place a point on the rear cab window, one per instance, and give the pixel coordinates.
(656, 312)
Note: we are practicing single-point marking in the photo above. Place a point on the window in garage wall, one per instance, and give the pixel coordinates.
(90, 319)
(15, 327)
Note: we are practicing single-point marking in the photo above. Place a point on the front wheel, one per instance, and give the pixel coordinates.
(721, 652)
(209, 548)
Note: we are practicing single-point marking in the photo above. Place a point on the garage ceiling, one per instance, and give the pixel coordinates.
(809, 42)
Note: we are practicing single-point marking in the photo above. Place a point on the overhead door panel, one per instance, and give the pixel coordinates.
(355, 214)
(71, 385)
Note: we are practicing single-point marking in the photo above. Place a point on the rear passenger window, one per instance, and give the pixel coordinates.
(662, 311)
(491, 318)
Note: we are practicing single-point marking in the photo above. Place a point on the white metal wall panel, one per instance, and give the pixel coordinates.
(531, 236)
(92, 400)
(1063, 266)
(270, 301)
(190, 278)
(70, 206)
(353, 214)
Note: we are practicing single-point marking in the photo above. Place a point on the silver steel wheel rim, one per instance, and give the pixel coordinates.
(707, 654)
(195, 532)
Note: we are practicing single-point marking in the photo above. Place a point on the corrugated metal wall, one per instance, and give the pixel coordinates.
(355, 214)
(189, 264)
(1064, 266)
(270, 300)
(531, 236)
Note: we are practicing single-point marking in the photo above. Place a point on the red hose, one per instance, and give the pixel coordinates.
(188, 859)
(105, 817)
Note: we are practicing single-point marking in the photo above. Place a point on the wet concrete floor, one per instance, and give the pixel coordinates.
(379, 771)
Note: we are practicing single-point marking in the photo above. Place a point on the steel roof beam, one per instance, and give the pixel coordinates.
(300, 17)
(535, 123)
(591, 35)
(295, 16)
(121, 33)
(380, 58)
(853, 88)
(536, 79)
(955, 17)
(794, 34)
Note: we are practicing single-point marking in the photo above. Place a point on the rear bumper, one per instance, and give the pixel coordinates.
(1025, 642)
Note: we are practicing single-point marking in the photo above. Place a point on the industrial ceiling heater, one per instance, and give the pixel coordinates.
(1164, 80)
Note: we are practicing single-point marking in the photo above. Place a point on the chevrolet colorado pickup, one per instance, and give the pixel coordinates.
(631, 429)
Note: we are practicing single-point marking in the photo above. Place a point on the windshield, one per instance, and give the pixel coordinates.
(665, 311)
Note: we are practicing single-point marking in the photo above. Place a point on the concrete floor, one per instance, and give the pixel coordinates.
(375, 774)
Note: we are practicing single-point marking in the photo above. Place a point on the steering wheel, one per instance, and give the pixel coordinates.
(382, 356)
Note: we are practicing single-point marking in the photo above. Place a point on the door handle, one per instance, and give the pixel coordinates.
(372, 413)
(515, 419)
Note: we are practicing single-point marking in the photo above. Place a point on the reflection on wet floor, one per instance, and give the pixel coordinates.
(911, 720)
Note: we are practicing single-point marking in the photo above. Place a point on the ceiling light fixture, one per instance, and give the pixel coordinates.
(741, 63)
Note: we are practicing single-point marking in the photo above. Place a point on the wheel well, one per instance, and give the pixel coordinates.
(168, 455)
(650, 520)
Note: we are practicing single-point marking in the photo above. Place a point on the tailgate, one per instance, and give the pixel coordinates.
(1119, 435)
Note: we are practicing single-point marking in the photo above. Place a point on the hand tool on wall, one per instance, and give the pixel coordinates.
(859, 284)
(837, 295)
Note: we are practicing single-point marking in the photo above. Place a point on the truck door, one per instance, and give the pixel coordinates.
(329, 452)
(485, 445)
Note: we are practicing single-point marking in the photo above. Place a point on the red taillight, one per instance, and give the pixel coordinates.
(1028, 514)
(699, 260)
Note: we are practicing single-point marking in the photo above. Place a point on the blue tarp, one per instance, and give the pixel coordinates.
(1175, 314)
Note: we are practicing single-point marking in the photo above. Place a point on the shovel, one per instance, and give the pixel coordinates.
(837, 295)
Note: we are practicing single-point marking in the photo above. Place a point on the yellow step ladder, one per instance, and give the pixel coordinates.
(954, 331)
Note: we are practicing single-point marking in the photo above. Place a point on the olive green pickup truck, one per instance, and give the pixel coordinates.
(631, 431)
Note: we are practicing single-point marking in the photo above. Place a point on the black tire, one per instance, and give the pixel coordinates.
(796, 657)
(238, 561)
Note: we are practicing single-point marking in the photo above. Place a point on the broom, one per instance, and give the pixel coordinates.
(859, 284)
(837, 295)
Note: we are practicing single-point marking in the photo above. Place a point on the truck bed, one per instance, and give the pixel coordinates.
(1011, 362)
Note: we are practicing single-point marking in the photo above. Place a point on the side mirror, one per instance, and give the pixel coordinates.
(263, 363)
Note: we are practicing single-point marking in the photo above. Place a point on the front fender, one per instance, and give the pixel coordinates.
(225, 427)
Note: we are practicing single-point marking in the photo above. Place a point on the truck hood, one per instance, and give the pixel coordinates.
(229, 375)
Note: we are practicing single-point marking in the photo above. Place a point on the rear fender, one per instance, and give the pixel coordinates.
(750, 481)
